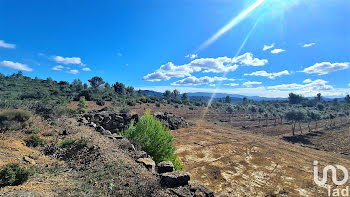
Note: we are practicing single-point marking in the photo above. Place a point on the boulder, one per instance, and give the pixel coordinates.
(126, 145)
(171, 121)
(100, 129)
(148, 163)
(200, 190)
(140, 154)
(29, 160)
(106, 132)
(165, 166)
(175, 179)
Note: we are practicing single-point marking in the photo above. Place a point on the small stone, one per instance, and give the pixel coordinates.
(201, 190)
(106, 132)
(140, 154)
(148, 163)
(175, 179)
(165, 166)
(100, 129)
(29, 160)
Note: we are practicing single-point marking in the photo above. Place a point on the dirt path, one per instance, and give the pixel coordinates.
(241, 164)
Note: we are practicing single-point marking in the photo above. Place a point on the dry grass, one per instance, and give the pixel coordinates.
(241, 164)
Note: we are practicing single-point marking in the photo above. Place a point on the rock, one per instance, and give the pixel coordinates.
(100, 129)
(140, 154)
(200, 190)
(171, 121)
(29, 160)
(126, 145)
(148, 163)
(165, 166)
(92, 125)
(106, 132)
(175, 179)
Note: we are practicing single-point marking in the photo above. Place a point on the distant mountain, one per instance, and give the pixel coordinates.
(152, 93)
(205, 96)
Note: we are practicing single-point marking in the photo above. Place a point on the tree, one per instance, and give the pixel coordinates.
(245, 100)
(295, 99)
(82, 106)
(107, 85)
(347, 99)
(295, 117)
(167, 94)
(227, 99)
(96, 81)
(313, 116)
(130, 90)
(175, 94)
(77, 85)
(185, 98)
(119, 88)
(318, 97)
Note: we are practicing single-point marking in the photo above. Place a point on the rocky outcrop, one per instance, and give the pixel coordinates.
(148, 163)
(171, 121)
(165, 166)
(175, 179)
(200, 190)
(104, 120)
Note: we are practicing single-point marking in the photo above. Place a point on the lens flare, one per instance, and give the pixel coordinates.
(224, 75)
(230, 25)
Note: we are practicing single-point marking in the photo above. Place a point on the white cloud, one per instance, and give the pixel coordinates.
(316, 85)
(74, 72)
(15, 65)
(251, 83)
(263, 73)
(307, 81)
(119, 54)
(277, 51)
(231, 84)
(309, 45)
(3, 44)
(58, 67)
(326, 67)
(67, 60)
(205, 65)
(194, 81)
(267, 47)
(86, 69)
(192, 56)
(213, 85)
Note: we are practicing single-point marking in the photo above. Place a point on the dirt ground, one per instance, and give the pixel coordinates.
(241, 164)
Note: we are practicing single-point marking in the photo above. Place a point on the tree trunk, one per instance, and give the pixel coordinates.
(293, 128)
(316, 125)
(308, 125)
(301, 131)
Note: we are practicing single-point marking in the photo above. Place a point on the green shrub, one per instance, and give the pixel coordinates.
(35, 140)
(82, 106)
(151, 136)
(124, 109)
(12, 174)
(157, 104)
(49, 133)
(65, 143)
(100, 102)
(32, 131)
(80, 143)
(13, 119)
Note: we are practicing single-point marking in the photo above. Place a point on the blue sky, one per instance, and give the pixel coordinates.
(162, 45)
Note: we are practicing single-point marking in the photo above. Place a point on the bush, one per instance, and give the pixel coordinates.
(32, 131)
(80, 143)
(151, 136)
(131, 103)
(82, 106)
(124, 110)
(100, 102)
(157, 104)
(13, 119)
(13, 174)
(49, 133)
(65, 143)
(35, 141)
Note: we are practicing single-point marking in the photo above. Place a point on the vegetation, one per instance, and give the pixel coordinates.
(13, 119)
(151, 136)
(13, 174)
(35, 140)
